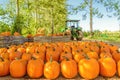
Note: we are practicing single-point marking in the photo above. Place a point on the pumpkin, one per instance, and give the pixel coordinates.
(95, 48)
(118, 67)
(3, 50)
(21, 50)
(88, 68)
(67, 48)
(35, 68)
(69, 68)
(78, 55)
(52, 51)
(92, 54)
(107, 67)
(29, 36)
(116, 55)
(5, 55)
(39, 53)
(7, 33)
(26, 56)
(86, 49)
(113, 48)
(103, 54)
(51, 69)
(14, 54)
(16, 34)
(104, 49)
(4, 66)
(66, 54)
(31, 49)
(18, 68)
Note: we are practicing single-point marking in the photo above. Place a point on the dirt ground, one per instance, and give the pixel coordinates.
(59, 78)
(109, 42)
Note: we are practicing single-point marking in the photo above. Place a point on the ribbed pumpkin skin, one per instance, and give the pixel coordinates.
(18, 68)
(52, 70)
(69, 68)
(88, 68)
(107, 67)
(35, 68)
(4, 67)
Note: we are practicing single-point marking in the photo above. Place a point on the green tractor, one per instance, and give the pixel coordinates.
(72, 28)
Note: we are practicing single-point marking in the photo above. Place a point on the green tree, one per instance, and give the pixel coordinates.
(27, 16)
(87, 6)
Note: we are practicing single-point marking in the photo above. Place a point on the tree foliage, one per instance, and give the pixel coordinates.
(88, 8)
(34, 14)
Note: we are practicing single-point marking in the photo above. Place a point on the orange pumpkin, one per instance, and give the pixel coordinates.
(51, 69)
(116, 55)
(88, 68)
(92, 54)
(29, 36)
(16, 34)
(104, 54)
(104, 49)
(69, 68)
(26, 56)
(7, 33)
(67, 48)
(107, 67)
(113, 48)
(31, 49)
(4, 67)
(52, 51)
(3, 50)
(66, 54)
(21, 50)
(118, 67)
(5, 55)
(35, 68)
(14, 55)
(78, 55)
(18, 68)
(39, 55)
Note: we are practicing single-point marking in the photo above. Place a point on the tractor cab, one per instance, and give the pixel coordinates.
(75, 30)
(73, 24)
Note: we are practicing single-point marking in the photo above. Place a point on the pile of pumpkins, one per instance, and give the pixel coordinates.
(69, 59)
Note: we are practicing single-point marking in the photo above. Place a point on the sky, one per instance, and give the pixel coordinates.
(105, 23)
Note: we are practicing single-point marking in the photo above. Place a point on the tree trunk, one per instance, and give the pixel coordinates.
(18, 17)
(91, 18)
(17, 7)
(36, 15)
(28, 13)
(52, 21)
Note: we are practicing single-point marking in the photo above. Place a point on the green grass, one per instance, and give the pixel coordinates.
(105, 36)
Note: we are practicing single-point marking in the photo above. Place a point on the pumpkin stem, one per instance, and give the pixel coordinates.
(86, 56)
(33, 58)
(17, 58)
(37, 51)
(66, 58)
(1, 58)
(77, 50)
(66, 52)
(53, 49)
(81, 50)
(51, 58)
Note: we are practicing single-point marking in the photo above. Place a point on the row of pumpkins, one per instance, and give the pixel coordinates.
(88, 59)
(7, 33)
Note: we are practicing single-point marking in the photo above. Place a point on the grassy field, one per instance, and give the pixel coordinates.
(104, 36)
